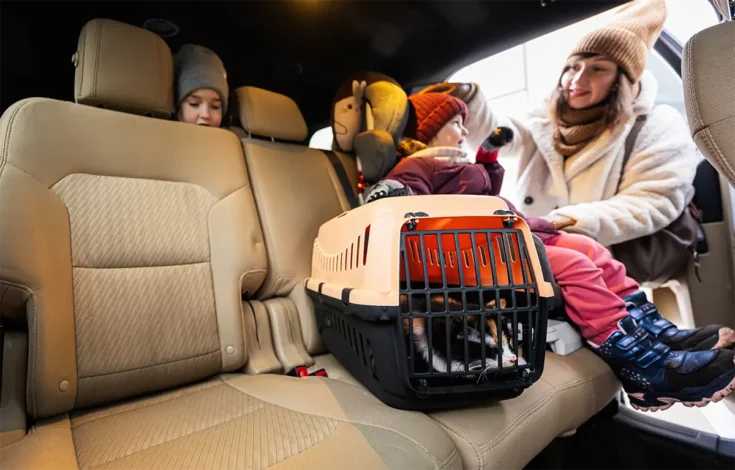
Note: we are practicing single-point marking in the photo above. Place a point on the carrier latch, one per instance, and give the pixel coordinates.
(510, 221)
(411, 225)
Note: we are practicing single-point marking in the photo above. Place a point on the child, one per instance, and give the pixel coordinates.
(657, 363)
(201, 86)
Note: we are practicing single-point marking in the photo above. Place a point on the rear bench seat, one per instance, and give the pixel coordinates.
(296, 190)
(128, 243)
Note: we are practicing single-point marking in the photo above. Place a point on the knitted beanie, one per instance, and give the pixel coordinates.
(198, 67)
(627, 39)
(430, 112)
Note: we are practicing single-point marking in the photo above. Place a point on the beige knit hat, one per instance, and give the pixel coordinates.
(627, 39)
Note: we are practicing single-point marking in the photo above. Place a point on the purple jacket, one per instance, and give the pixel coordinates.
(429, 175)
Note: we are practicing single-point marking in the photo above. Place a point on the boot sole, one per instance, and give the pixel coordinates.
(641, 402)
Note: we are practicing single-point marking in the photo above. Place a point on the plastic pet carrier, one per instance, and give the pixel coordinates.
(432, 301)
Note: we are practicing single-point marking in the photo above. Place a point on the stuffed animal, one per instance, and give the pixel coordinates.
(369, 113)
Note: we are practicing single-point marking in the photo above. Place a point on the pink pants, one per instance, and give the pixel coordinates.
(592, 282)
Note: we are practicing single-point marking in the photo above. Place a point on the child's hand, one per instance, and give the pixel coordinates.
(500, 136)
(560, 221)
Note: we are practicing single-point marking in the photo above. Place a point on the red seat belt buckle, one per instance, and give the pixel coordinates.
(302, 372)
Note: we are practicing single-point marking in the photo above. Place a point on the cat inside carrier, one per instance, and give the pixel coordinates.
(432, 301)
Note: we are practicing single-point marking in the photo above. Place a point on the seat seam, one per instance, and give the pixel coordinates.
(436, 460)
(456, 432)
(451, 457)
(179, 437)
(530, 411)
(92, 420)
(6, 144)
(217, 351)
(712, 146)
(194, 263)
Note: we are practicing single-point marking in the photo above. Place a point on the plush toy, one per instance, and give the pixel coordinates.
(369, 113)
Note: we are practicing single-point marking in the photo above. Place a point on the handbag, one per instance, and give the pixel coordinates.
(662, 255)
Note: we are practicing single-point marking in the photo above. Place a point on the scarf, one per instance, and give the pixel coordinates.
(575, 128)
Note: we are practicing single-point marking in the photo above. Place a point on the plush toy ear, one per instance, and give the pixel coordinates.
(389, 104)
(358, 90)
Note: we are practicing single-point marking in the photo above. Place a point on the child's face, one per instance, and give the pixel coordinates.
(587, 81)
(451, 135)
(202, 107)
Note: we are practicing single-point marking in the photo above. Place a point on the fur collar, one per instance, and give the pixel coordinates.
(446, 154)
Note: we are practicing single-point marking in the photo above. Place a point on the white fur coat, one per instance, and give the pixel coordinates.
(584, 188)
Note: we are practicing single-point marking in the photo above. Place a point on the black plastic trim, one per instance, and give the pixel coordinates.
(704, 440)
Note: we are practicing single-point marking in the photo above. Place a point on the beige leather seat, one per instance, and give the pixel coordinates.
(708, 65)
(128, 243)
(296, 190)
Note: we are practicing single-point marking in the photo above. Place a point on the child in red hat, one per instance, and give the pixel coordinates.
(657, 363)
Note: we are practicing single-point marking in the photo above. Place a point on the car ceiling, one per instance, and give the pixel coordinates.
(302, 48)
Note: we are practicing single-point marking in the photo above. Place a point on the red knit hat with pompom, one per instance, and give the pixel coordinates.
(430, 112)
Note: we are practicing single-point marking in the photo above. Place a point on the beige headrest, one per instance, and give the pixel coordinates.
(269, 114)
(708, 67)
(125, 68)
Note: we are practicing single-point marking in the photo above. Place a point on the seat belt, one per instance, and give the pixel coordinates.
(343, 179)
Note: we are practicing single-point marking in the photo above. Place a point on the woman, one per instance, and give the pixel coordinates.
(657, 363)
(571, 152)
(201, 86)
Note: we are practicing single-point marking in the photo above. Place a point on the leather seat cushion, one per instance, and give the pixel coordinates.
(239, 421)
(510, 433)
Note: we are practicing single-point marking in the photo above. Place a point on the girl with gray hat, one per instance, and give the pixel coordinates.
(201, 86)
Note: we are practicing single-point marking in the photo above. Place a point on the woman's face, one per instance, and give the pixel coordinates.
(452, 134)
(202, 107)
(587, 81)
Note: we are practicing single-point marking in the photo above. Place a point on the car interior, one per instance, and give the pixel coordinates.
(152, 273)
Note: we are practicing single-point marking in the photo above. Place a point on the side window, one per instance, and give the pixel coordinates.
(322, 139)
(519, 79)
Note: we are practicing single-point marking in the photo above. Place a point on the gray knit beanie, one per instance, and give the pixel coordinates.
(198, 67)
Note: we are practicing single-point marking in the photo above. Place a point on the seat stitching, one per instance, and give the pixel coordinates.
(217, 351)
(344, 420)
(450, 458)
(267, 233)
(714, 149)
(546, 398)
(92, 420)
(9, 131)
(193, 263)
(453, 430)
(180, 437)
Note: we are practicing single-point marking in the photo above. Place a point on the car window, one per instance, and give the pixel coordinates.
(520, 78)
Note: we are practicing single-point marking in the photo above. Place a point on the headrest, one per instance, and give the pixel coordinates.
(269, 114)
(709, 94)
(125, 68)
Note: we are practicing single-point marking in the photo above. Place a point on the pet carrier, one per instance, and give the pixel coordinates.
(432, 301)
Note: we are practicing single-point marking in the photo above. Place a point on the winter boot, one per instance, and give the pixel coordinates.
(655, 377)
(697, 339)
